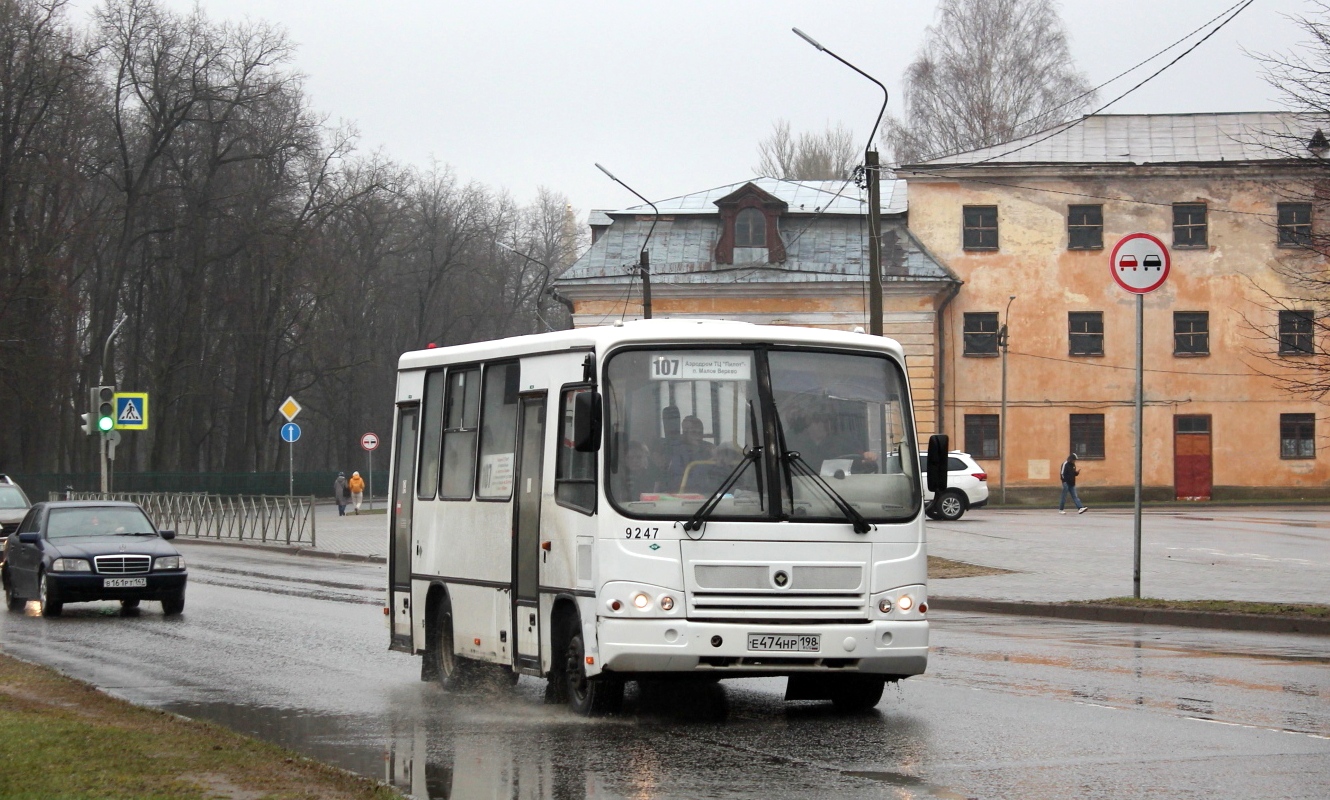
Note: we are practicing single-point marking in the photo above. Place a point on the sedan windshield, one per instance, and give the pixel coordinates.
(682, 421)
(97, 521)
(11, 497)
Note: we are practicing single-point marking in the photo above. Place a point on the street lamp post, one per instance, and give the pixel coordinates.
(873, 175)
(644, 258)
(1003, 338)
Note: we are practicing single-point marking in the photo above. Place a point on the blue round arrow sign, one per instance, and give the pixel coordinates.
(290, 432)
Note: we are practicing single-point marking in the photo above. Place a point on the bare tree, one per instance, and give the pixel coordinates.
(1293, 332)
(829, 155)
(989, 71)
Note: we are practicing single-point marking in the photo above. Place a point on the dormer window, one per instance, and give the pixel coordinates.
(750, 228)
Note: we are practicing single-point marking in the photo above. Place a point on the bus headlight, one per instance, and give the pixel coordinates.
(641, 601)
(884, 605)
(666, 603)
(905, 603)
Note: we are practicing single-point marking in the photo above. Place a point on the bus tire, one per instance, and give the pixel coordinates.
(589, 697)
(857, 692)
(448, 668)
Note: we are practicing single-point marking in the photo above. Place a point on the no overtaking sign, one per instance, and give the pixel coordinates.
(1140, 263)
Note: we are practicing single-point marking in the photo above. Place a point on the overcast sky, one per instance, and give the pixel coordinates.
(674, 96)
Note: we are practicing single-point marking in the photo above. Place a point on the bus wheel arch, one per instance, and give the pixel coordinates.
(568, 681)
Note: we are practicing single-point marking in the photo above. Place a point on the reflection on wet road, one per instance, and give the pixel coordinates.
(294, 650)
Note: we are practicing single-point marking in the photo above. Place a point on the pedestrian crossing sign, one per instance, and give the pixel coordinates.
(131, 411)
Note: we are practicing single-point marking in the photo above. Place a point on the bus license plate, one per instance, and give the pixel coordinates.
(801, 643)
(124, 583)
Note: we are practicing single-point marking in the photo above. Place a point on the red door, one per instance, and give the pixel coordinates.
(1193, 473)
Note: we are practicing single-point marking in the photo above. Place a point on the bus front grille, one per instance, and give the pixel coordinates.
(792, 606)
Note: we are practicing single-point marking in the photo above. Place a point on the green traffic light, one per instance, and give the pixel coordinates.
(105, 423)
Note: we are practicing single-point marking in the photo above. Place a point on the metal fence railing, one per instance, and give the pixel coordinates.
(262, 519)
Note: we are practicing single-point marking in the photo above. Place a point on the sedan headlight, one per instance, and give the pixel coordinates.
(70, 565)
(170, 562)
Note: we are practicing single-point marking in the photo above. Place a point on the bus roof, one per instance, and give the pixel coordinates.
(664, 331)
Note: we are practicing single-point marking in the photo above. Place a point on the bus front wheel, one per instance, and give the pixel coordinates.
(857, 692)
(588, 696)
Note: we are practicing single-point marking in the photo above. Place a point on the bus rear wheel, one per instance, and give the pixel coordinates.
(449, 669)
(590, 697)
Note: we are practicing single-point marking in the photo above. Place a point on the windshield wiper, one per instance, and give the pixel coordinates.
(797, 464)
(696, 521)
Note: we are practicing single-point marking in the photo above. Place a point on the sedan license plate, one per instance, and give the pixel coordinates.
(775, 642)
(124, 583)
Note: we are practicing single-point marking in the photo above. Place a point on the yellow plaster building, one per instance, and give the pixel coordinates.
(1038, 218)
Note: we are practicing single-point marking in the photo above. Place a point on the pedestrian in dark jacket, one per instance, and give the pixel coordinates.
(341, 494)
(1069, 473)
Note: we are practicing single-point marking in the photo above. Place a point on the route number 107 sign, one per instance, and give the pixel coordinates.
(684, 366)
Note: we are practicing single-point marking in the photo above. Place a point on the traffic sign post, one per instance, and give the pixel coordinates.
(1140, 263)
(290, 433)
(370, 442)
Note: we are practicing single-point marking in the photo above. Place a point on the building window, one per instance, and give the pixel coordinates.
(1295, 224)
(981, 334)
(1085, 227)
(981, 228)
(981, 435)
(1085, 333)
(750, 228)
(1087, 435)
(1295, 332)
(1191, 423)
(1191, 333)
(1189, 228)
(1297, 436)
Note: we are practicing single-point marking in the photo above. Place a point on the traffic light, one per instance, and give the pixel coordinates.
(103, 407)
(87, 425)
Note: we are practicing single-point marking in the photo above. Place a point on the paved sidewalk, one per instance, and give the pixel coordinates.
(363, 534)
(1267, 554)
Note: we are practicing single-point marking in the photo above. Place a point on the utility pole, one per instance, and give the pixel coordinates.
(1003, 338)
(874, 176)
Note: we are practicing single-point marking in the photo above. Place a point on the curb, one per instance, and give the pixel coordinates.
(1143, 616)
(293, 550)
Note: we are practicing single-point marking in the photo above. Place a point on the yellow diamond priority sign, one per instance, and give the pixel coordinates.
(289, 409)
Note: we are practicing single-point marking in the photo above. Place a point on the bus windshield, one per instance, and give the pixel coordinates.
(681, 421)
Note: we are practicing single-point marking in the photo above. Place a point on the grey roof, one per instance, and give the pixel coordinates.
(818, 249)
(1152, 139)
(827, 197)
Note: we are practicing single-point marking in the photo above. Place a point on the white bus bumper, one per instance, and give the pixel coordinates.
(887, 647)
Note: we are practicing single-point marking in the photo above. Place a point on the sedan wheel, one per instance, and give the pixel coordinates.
(12, 601)
(173, 603)
(51, 606)
(951, 506)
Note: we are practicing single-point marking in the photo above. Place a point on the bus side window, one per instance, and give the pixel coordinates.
(575, 473)
(462, 415)
(431, 436)
(498, 432)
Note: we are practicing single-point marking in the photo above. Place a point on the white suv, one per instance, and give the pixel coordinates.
(967, 487)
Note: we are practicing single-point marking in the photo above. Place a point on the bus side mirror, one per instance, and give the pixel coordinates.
(586, 422)
(938, 447)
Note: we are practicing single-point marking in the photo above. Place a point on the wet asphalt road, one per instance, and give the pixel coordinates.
(293, 649)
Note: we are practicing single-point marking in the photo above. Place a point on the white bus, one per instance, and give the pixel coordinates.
(661, 499)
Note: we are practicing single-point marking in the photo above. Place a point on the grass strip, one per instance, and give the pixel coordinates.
(941, 568)
(61, 738)
(1301, 610)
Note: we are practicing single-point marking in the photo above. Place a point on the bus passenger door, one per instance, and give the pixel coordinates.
(400, 508)
(526, 532)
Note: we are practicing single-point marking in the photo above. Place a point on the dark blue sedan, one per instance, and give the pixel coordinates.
(74, 552)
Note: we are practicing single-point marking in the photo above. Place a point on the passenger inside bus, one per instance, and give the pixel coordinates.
(690, 447)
